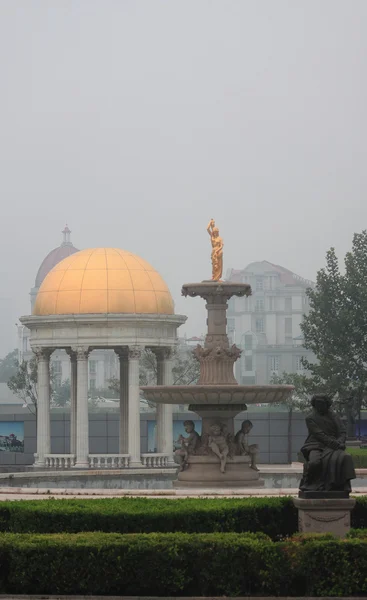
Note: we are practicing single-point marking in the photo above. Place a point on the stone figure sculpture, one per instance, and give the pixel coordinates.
(217, 443)
(217, 251)
(243, 448)
(189, 445)
(327, 466)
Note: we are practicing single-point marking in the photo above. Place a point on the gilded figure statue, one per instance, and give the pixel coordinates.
(217, 251)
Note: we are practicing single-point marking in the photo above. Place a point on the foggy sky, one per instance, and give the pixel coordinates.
(137, 121)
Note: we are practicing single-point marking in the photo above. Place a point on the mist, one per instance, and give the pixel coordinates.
(135, 122)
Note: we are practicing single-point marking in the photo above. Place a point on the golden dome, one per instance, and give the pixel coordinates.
(103, 280)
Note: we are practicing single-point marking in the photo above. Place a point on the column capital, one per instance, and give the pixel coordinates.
(135, 352)
(81, 352)
(72, 353)
(122, 352)
(164, 353)
(42, 353)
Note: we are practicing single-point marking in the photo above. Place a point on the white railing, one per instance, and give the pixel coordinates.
(59, 461)
(109, 461)
(154, 460)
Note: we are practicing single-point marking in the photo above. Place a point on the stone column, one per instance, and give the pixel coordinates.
(164, 411)
(82, 424)
(73, 398)
(43, 405)
(134, 407)
(123, 355)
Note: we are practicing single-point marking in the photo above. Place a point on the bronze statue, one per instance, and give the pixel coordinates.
(217, 251)
(243, 448)
(328, 467)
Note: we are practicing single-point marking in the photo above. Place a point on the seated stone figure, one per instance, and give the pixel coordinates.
(218, 445)
(243, 448)
(189, 445)
(328, 467)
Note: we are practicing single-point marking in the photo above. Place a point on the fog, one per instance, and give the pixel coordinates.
(137, 121)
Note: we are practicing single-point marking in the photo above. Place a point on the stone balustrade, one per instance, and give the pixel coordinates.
(154, 460)
(109, 461)
(59, 461)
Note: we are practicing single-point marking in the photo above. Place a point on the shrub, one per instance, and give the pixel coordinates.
(359, 456)
(181, 564)
(273, 516)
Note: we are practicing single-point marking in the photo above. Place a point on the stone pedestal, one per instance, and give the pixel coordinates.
(204, 471)
(324, 515)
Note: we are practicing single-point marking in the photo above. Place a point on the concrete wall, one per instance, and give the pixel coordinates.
(270, 432)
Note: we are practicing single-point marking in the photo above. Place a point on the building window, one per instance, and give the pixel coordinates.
(274, 363)
(259, 304)
(230, 324)
(288, 305)
(248, 341)
(299, 364)
(288, 327)
(92, 367)
(248, 363)
(259, 285)
(92, 384)
(57, 372)
(259, 325)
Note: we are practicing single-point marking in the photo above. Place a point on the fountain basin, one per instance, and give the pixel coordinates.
(217, 394)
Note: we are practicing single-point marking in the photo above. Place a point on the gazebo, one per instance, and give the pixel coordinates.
(103, 298)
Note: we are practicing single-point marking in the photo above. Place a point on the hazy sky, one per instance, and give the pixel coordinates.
(136, 121)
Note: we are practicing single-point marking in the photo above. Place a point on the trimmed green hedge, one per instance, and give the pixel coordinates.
(273, 516)
(359, 456)
(276, 517)
(181, 565)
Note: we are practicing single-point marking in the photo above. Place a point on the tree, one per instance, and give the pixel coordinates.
(24, 384)
(303, 389)
(336, 329)
(8, 366)
(61, 394)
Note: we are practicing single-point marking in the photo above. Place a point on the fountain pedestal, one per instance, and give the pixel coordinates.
(218, 460)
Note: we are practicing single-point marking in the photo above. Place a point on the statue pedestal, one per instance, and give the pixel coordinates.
(204, 472)
(324, 515)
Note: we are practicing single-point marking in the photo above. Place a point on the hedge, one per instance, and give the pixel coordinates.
(273, 516)
(276, 517)
(181, 564)
(359, 456)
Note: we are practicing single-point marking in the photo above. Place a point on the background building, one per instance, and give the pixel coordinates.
(266, 326)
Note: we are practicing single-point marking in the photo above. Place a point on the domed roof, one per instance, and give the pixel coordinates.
(103, 280)
(55, 256)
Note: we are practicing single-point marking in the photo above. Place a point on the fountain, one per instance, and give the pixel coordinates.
(218, 458)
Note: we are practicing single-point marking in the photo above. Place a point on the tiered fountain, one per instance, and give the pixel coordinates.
(218, 458)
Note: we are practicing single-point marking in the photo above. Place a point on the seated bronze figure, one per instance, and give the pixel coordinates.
(327, 468)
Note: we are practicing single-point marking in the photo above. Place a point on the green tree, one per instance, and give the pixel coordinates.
(336, 329)
(61, 394)
(303, 388)
(8, 366)
(24, 384)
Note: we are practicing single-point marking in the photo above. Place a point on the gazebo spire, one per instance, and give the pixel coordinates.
(66, 233)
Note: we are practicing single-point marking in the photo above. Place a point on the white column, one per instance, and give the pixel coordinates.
(164, 411)
(134, 407)
(82, 424)
(124, 400)
(73, 398)
(43, 405)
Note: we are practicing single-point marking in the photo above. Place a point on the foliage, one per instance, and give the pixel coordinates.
(335, 328)
(273, 516)
(181, 564)
(359, 457)
(303, 388)
(61, 394)
(24, 384)
(8, 366)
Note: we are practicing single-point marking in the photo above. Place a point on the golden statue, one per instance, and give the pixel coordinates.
(217, 251)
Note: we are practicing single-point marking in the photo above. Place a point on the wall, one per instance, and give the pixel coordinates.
(270, 432)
